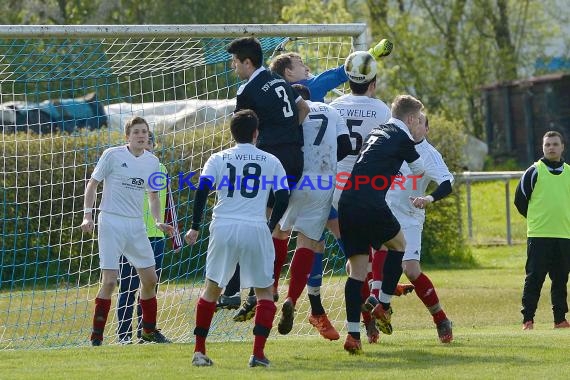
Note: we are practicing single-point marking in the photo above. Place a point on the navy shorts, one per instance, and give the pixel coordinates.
(361, 228)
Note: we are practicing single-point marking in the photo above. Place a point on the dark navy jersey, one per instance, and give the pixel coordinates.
(377, 165)
(274, 102)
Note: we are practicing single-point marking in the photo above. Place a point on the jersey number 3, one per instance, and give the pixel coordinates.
(287, 109)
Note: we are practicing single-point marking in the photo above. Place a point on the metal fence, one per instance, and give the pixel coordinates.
(488, 203)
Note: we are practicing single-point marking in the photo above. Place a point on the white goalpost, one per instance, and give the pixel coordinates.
(65, 93)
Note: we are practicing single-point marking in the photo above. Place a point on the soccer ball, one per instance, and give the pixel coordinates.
(360, 67)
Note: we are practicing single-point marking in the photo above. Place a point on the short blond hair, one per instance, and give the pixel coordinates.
(282, 62)
(405, 105)
(132, 121)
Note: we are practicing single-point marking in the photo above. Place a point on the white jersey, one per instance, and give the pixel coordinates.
(244, 176)
(398, 197)
(361, 114)
(125, 179)
(321, 128)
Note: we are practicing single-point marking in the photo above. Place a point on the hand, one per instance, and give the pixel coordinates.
(87, 225)
(421, 202)
(166, 228)
(382, 49)
(191, 237)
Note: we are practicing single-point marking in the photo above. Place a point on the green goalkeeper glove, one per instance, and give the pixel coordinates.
(382, 49)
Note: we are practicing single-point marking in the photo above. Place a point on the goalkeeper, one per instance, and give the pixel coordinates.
(291, 67)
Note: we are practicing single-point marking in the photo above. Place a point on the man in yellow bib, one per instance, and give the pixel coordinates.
(542, 198)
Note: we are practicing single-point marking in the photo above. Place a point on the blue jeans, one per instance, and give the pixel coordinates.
(128, 285)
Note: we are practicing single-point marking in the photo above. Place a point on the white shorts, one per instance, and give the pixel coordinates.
(308, 212)
(413, 236)
(118, 236)
(249, 244)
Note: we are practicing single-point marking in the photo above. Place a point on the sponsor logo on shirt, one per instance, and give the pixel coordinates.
(134, 183)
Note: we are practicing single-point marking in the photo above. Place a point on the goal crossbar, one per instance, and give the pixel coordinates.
(356, 30)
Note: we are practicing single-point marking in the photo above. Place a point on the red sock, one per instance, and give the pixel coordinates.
(204, 314)
(264, 315)
(300, 269)
(149, 308)
(281, 247)
(426, 292)
(378, 258)
(102, 307)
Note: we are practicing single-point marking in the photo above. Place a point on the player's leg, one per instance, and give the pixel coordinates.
(318, 317)
(112, 238)
(355, 229)
(281, 245)
(103, 305)
(221, 261)
(257, 265)
(378, 258)
(157, 245)
(558, 272)
(315, 280)
(369, 301)
(128, 287)
(205, 309)
(140, 254)
(389, 231)
(149, 305)
(425, 290)
(536, 268)
(300, 268)
(280, 238)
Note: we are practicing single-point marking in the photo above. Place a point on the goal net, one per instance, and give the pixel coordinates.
(65, 93)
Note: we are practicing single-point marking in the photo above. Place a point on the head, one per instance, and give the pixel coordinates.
(553, 145)
(367, 88)
(247, 56)
(303, 91)
(409, 110)
(361, 69)
(136, 132)
(150, 142)
(422, 129)
(244, 126)
(290, 67)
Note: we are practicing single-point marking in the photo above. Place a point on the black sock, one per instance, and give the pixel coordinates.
(352, 301)
(392, 271)
(316, 304)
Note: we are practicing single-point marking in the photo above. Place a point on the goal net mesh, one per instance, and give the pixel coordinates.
(62, 102)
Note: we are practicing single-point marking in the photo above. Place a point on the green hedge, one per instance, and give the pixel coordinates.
(41, 193)
(443, 242)
(43, 181)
